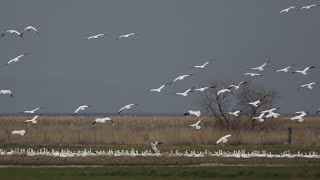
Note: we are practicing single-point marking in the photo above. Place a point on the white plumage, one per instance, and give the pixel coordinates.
(11, 31)
(18, 132)
(196, 125)
(33, 120)
(235, 113)
(260, 68)
(80, 108)
(309, 85)
(6, 92)
(304, 71)
(224, 139)
(287, 9)
(195, 113)
(102, 120)
(126, 107)
(252, 74)
(29, 28)
(299, 117)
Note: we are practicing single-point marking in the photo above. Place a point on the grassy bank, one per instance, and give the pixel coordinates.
(225, 172)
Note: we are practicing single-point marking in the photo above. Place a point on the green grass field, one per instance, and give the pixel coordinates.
(219, 172)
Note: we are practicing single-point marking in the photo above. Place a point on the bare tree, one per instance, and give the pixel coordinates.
(252, 92)
(217, 106)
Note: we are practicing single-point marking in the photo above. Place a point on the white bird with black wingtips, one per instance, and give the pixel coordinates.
(286, 69)
(204, 88)
(252, 74)
(287, 9)
(299, 117)
(257, 102)
(33, 120)
(191, 112)
(126, 107)
(18, 132)
(182, 77)
(158, 89)
(203, 65)
(16, 59)
(95, 36)
(309, 6)
(235, 113)
(6, 92)
(261, 68)
(102, 120)
(185, 93)
(126, 35)
(29, 28)
(33, 111)
(11, 31)
(224, 91)
(237, 86)
(224, 139)
(196, 125)
(309, 85)
(304, 71)
(80, 108)
(260, 117)
(154, 146)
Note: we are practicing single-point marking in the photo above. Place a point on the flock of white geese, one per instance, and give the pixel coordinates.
(256, 72)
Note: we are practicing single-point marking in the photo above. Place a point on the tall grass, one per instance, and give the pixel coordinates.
(169, 130)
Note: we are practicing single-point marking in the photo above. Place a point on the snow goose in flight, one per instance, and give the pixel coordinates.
(260, 117)
(287, 9)
(309, 6)
(127, 35)
(237, 86)
(6, 92)
(18, 132)
(154, 146)
(205, 88)
(95, 36)
(126, 107)
(261, 68)
(286, 69)
(80, 108)
(158, 89)
(224, 139)
(102, 120)
(256, 103)
(196, 125)
(182, 77)
(33, 111)
(318, 111)
(252, 74)
(29, 28)
(299, 117)
(186, 92)
(33, 120)
(309, 85)
(202, 66)
(304, 71)
(235, 113)
(191, 112)
(12, 32)
(16, 59)
(227, 90)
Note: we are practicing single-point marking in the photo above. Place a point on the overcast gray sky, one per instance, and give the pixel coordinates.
(64, 71)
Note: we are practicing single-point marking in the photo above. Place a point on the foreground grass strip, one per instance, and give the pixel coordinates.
(247, 172)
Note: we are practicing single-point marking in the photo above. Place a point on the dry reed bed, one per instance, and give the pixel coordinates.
(141, 131)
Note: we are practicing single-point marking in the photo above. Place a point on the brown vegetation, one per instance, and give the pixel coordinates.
(171, 131)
